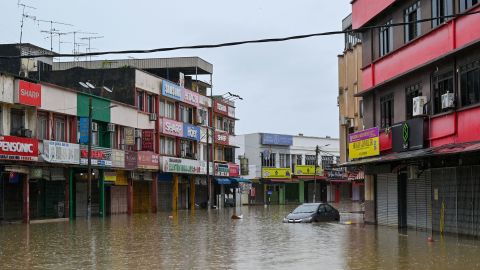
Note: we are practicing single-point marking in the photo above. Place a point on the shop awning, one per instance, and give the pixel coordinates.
(240, 180)
(223, 181)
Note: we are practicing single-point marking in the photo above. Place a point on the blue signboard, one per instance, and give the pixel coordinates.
(172, 90)
(276, 139)
(191, 132)
(84, 130)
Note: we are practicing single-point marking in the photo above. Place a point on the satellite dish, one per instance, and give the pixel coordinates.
(107, 89)
(90, 85)
(83, 85)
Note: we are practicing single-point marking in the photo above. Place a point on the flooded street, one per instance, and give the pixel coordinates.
(212, 240)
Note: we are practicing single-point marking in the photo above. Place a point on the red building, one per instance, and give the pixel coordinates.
(421, 88)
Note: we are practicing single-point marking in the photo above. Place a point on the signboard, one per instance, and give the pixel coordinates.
(191, 132)
(233, 169)
(276, 173)
(205, 101)
(99, 157)
(231, 112)
(118, 158)
(20, 149)
(364, 143)
(222, 169)
(131, 160)
(28, 93)
(61, 152)
(336, 174)
(171, 127)
(180, 165)
(220, 108)
(409, 135)
(83, 130)
(221, 137)
(147, 140)
(172, 90)
(191, 97)
(147, 160)
(110, 177)
(307, 170)
(129, 136)
(181, 80)
(121, 179)
(277, 139)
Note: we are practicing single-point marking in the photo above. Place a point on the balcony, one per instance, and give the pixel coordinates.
(439, 42)
(455, 127)
(365, 10)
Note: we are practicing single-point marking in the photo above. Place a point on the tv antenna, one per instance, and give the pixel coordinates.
(25, 16)
(89, 43)
(53, 30)
(75, 33)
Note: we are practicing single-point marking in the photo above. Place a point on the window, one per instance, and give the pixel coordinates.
(167, 109)
(186, 114)
(470, 83)
(204, 151)
(219, 153)
(327, 161)
(268, 160)
(231, 127)
(60, 129)
(441, 8)
(282, 160)
(150, 104)
(386, 38)
(229, 154)
(287, 160)
(140, 101)
(42, 127)
(309, 160)
(17, 118)
(466, 4)
(386, 111)
(187, 149)
(442, 84)
(299, 160)
(411, 92)
(167, 146)
(220, 124)
(411, 15)
(202, 116)
(360, 108)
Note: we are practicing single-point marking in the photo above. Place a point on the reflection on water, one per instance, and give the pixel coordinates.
(211, 239)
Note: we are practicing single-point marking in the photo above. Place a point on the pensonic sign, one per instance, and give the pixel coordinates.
(21, 149)
(28, 93)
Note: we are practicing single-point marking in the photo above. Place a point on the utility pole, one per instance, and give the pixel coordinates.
(89, 160)
(317, 151)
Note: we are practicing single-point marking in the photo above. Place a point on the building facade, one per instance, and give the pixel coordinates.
(420, 86)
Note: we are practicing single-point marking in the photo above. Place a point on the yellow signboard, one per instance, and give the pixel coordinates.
(364, 148)
(276, 173)
(121, 179)
(307, 170)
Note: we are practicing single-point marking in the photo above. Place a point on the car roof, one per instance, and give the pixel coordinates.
(312, 203)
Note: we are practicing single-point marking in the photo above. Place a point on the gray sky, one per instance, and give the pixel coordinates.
(288, 87)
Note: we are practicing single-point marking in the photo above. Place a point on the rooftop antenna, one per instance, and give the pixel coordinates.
(52, 29)
(24, 16)
(75, 40)
(89, 44)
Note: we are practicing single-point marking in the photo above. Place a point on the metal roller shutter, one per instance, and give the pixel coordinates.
(387, 199)
(165, 196)
(392, 200)
(411, 203)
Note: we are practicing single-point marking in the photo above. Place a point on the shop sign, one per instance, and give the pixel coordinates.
(110, 177)
(222, 169)
(61, 152)
(28, 94)
(307, 170)
(131, 160)
(171, 127)
(276, 173)
(220, 108)
(231, 112)
(277, 139)
(147, 140)
(129, 136)
(118, 158)
(336, 174)
(147, 160)
(180, 165)
(191, 97)
(364, 143)
(191, 132)
(233, 169)
(172, 90)
(205, 101)
(121, 178)
(221, 137)
(99, 156)
(409, 135)
(83, 130)
(20, 149)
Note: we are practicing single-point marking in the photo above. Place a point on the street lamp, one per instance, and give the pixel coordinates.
(317, 151)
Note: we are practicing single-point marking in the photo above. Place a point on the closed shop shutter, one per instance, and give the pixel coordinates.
(164, 196)
(412, 203)
(392, 200)
(118, 199)
(419, 213)
(141, 197)
(387, 199)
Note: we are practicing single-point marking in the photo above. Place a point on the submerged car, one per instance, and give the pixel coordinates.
(313, 212)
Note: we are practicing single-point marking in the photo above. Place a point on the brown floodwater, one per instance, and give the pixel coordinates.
(212, 240)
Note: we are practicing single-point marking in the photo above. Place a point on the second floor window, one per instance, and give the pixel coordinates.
(440, 9)
(441, 84)
(17, 118)
(167, 146)
(282, 160)
(167, 109)
(268, 160)
(140, 101)
(187, 149)
(386, 111)
(327, 161)
(470, 83)
(411, 92)
(42, 127)
(411, 15)
(186, 114)
(466, 4)
(386, 38)
(150, 104)
(60, 129)
(309, 160)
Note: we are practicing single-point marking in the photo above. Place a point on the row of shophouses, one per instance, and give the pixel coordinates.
(150, 136)
(409, 103)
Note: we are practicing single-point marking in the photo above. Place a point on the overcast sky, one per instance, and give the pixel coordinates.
(288, 87)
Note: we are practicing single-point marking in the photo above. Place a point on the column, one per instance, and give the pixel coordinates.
(222, 196)
(71, 208)
(101, 187)
(369, 216)
(175, 192)
(130, 196)
(26, 199)
(281, 194)
(301, 191)
(154, 195)
(192, 192)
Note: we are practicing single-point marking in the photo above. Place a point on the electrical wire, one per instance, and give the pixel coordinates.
(237, 43)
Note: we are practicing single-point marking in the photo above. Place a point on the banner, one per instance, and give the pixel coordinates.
(276, 173)
(276, 139)
(364, 144)
(172, 90)
(171, 127)
(147, 140)
(222, 169)
(118, 158)
(99, 156)
(308, 170)
(180, 165)
(20, 149)
(129, 136)
(61, 152)
(84, 130)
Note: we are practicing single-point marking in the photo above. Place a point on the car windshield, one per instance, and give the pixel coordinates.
(305, 209)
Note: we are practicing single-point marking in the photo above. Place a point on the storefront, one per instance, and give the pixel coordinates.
(145, 188)
(275, 181)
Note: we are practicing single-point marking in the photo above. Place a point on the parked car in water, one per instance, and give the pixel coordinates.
(312, 212)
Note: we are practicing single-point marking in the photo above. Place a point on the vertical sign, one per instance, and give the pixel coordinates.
(147, 140)
(84, 130)
(129, 136)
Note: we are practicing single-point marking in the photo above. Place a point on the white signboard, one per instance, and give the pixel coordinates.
(61, 152)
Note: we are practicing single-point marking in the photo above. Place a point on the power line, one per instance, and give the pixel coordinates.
(237, 43)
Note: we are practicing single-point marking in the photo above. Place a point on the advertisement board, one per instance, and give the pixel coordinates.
(221, 137)
(191, 132)
(409, 135)
(276, 173)
(364, 143)
(220, 107)
(231, 112)
(28, 93)
(307, 170)
(129, 136)
(100, 156)
(118, 158)
(147, 140)
(147, 160)
(131, 160)
(17, 148)
(61, 152)
(83, 128)
(171, 127)
(221, 169)
(233, 169)
(277, 139)
(180, 165)
(191, 97)
(172, 90)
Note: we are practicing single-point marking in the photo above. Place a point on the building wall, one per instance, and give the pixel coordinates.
(58, 100)
(148, 82)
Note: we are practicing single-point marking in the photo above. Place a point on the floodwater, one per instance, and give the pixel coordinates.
(212, 240)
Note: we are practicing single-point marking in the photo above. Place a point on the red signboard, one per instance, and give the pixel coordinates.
(220, 107)
(29, 93)
(234, 169)
(148, 160)
(147, 140)
(16, 148)
(221, 137)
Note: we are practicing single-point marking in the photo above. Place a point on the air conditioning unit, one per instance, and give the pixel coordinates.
(152, 117)
(345, 121)
(111, 127)
(138, 133)
(94, 127)
(418, 105)
(27, 133)
(448, 101)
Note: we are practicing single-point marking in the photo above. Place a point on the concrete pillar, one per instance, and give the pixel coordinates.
(301, 191)
(71, 208)
(26, 199)
(222, 197)
(154, 196)
(101, 187)
(281, 194)
(175, 193)
(369, 216)
(130, 196)
(67, 194)
(192, 192)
